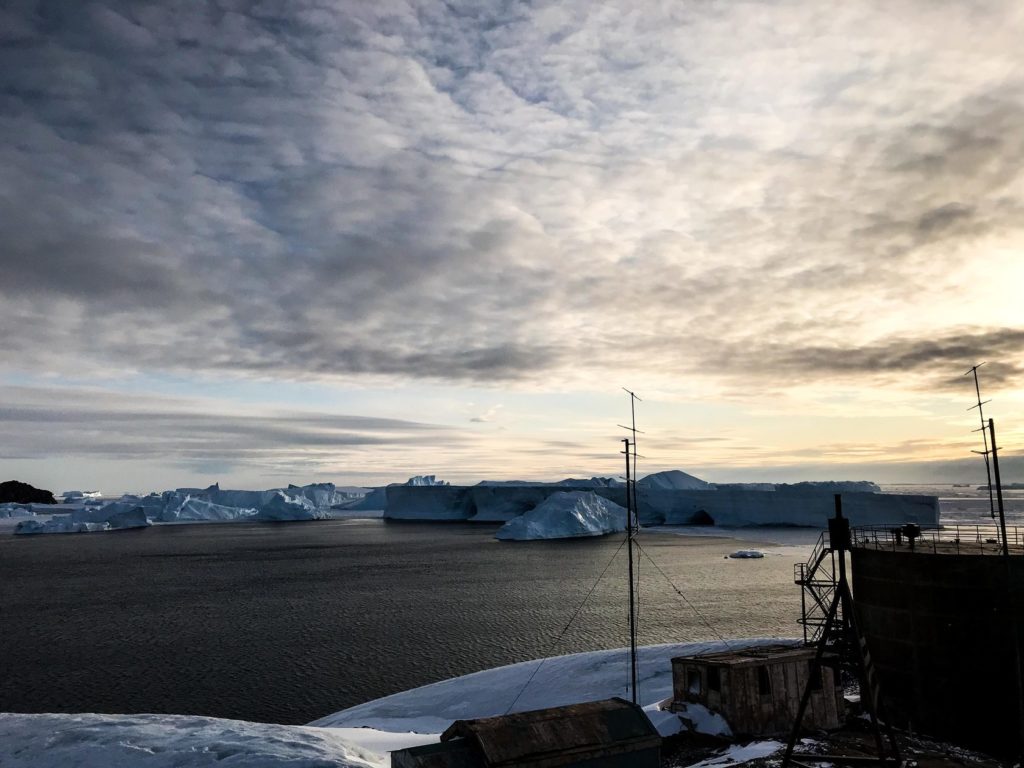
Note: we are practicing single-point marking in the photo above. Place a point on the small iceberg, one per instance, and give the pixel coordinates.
(566, 515)
(746, 554)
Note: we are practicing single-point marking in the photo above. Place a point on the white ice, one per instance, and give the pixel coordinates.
(360, 736)
(171, 741)
(556, 681)
(567, 514)
(673, 480)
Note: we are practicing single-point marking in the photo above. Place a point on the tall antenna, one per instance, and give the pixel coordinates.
(632, 593)
(632, 527)
(984, 436)
(633, 399)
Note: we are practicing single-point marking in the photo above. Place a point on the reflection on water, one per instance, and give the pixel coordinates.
(287, 623)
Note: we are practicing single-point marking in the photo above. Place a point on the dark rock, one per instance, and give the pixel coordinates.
(23, 493)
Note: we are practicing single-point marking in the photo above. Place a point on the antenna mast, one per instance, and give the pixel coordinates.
(632, 526)
(984, 436)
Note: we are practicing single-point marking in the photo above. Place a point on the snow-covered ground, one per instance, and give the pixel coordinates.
(550, 682)
(172, 741)
(361, 736)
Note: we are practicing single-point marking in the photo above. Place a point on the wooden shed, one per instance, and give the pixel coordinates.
(599, 734)
(757, 690)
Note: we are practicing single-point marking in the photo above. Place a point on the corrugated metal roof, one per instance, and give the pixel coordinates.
(559, 735)
(752, 656)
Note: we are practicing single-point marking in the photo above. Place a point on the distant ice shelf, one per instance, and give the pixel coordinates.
(671, 498)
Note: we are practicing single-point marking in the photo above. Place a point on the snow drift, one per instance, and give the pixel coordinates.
(171, 741)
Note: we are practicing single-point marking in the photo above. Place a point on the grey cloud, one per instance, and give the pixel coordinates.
(924, 362)
(493, 192)
(108, 425)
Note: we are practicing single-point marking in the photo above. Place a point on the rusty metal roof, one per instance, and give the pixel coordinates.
(559, 735)
(752, 656)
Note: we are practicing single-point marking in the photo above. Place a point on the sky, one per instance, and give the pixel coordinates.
(267, 242)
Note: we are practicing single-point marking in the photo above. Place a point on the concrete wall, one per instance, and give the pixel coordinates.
(938, 629)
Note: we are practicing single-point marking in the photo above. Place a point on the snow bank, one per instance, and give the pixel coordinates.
(755, 750)
(551, 682)
(700, 719)
(566, 514)
(171, 741)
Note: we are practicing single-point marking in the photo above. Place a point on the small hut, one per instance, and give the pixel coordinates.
(599, 734)
(757, 690)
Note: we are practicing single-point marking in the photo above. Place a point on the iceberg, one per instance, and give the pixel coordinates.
(200, 510)
(282, 507)
(501, 503)
(805, 507)
(673, 480)
(15, 510)
(111, 517)
(428, 502)
(746, 554)
(70, 497)
(421, 480)
(566, 514)
(375, 499)
(672, 497)
(59, 524)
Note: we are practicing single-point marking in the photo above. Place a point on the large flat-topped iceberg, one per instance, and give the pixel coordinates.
(566, 514)
(673, 497)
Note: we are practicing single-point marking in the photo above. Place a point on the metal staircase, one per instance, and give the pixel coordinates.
(817, 579)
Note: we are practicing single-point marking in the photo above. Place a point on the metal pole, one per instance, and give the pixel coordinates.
(999, 486)
(984, 437)
(629, 547)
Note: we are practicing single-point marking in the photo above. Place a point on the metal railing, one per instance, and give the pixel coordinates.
(949, 539)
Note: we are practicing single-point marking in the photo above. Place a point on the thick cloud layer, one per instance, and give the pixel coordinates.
(504, 191)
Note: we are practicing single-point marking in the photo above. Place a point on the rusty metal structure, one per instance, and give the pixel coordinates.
(612, 733)
(839, 641)
(940, 611)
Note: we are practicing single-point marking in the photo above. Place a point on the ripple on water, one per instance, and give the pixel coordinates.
(287, 623)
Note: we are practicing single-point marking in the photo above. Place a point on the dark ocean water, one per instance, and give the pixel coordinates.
(289, 622)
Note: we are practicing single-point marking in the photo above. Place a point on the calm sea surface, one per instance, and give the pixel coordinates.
(289, 622)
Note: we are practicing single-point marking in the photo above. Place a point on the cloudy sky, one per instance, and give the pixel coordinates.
(260, 242)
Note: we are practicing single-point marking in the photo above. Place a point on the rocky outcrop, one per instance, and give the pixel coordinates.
(13, 491)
